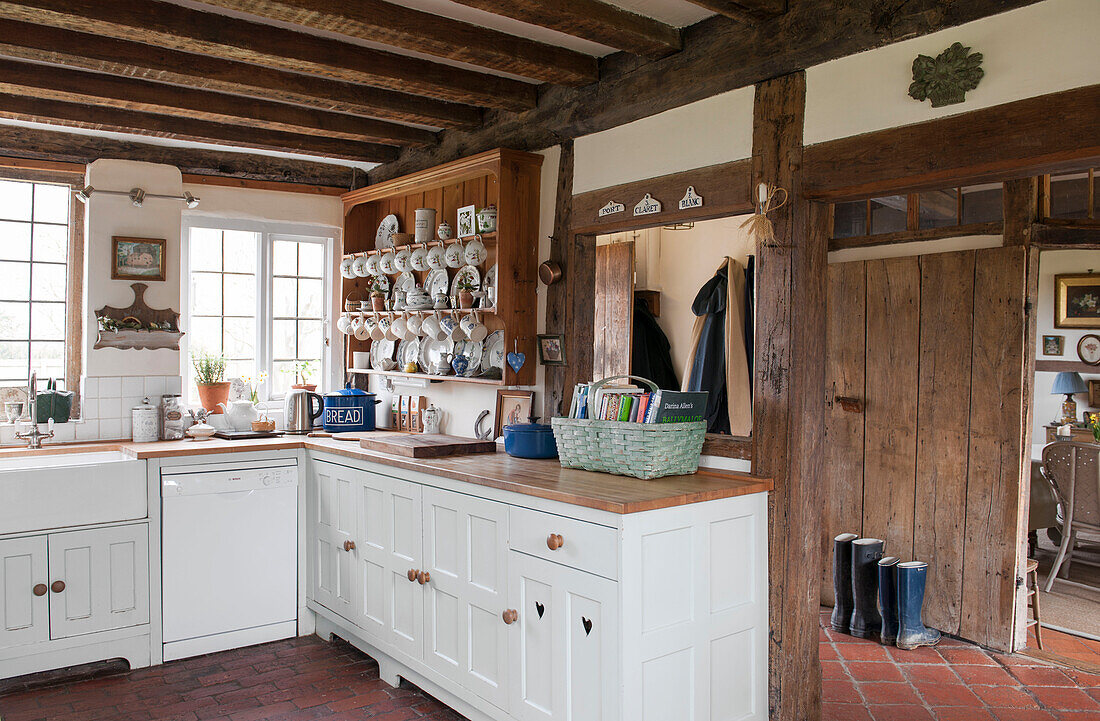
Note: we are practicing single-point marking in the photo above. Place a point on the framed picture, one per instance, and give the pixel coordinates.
(1077, 301)
(1094, 394)
(137, 258)
(467, 221)
(512, 407)
(551, 350)
(1088, 349)
(1054, 344)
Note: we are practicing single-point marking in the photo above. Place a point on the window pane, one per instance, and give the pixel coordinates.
(240, 251)
(48, 282)
(48, 359)
(309, 339)
(206, 293)
(983, 203)
(1069, 195)
(240, 294)
(239, 368)
(285, 257)
(284, 297)
(309, 298)
(311, 260)
(14, 360)
(14, 320)
(282, 377)
(15, 200)
(850, 219)
(888, 214)
(51, 243)
(17, 281)
(939, 208)
(51, 203)
(15, 241)
(48, 321)
(240, 338)
(284, 339)
(206, 249)
(206, 335)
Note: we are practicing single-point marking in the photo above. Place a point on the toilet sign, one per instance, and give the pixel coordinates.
(691, 199)
(611, 208)
(647, 206)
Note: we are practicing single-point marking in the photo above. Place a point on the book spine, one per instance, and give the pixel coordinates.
(624, 409)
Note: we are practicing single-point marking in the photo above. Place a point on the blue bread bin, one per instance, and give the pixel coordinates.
(348, 410)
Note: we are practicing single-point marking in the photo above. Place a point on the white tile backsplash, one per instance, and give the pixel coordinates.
(110, 428)
(110, 407)
(154, 388)
(133, 386)
(173, 384)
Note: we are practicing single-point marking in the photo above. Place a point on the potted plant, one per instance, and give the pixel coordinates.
(466, 294)
(210, 379)
(377, 297)
(302, 371)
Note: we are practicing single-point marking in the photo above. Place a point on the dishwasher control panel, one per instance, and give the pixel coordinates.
(181, 483)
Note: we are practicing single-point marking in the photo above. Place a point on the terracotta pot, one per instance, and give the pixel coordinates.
(307, 386)
(465, 299)
(378, 302)
(211, 395)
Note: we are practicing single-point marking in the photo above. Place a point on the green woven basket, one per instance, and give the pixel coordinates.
(641, 450)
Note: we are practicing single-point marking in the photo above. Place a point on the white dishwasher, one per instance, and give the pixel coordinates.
(230, 555)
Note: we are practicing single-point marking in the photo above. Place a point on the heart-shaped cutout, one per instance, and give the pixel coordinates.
(540, 608)
(587, 623)
(516, 360)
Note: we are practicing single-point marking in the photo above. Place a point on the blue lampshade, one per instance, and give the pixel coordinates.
(1067, 382)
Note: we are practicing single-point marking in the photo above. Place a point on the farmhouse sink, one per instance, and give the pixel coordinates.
(43, 491)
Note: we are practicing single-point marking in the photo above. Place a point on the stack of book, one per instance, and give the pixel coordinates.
(631, 404)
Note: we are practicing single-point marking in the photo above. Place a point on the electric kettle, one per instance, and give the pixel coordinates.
(298, 410)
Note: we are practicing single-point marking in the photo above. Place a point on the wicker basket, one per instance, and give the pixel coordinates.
(641, 450)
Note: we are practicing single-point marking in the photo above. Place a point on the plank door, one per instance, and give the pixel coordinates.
(106, 577)
(331, 524)
(389, 544)
(613, 322)
(25, 616)
(465, 553)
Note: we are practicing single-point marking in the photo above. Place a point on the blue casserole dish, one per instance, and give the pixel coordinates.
(530, 440)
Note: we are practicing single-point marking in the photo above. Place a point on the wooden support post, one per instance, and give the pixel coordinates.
(788, 403)
(1021, 210)
(558, 295)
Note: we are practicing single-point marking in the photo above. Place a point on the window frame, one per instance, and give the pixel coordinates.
(268, 233)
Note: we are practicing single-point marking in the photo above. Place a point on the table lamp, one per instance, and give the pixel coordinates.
(1069, 383)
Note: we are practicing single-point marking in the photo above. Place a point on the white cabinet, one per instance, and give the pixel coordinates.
(24, 584)
(332, 528)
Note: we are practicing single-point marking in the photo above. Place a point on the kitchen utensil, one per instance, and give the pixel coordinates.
(348, 410)
(400, 299)
(143, 428)
(444, 231)
(437, 259)
(424, 224)
(408, 351)
(402, 260)
(436, 282)
(441, 301)
(239, 414)
(479, 434)
(372, 264)
(475, 253)
(390, 333)
(473, 328)
(201, 431)
(386, 264)
(419, 259)
(460, 364)
(359, 266)
(399, 327)
(432, 418)
(14, 410)
(405, 282)
(247, 434)
(550, 272)
(384, 237)
(455, 255)
(381, 328)
(530, 440)
(487, 219)
(343, 324)
(425, 445)
(299, 411)
(379, 350)
(345, 267)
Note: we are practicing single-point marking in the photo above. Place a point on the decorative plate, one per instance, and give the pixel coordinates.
(431, 351)
(408, 351)
(490, 287)
(474, 350)
(436, 282)
(380, 350)
(494, 351)
(1088, 349)
(469, 274)
(384, 237)
(406, 282)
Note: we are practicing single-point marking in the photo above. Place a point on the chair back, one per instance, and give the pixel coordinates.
(1075, 470)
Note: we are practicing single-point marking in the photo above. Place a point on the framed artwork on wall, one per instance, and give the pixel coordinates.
(1094, 393)
(467, 221)
(1077, 301)
(137, 258)
(1088, 349)
(551, 349)
(512, 407)
(1054, 344)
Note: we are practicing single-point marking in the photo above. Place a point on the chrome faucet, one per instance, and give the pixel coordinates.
(34, 437)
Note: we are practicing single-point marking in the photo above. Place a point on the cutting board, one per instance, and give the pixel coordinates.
(425, 445)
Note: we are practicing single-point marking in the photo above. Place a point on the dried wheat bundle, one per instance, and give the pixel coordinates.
(758, 224)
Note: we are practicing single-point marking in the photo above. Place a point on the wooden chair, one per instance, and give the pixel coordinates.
(1074, 468)
(1032, 585)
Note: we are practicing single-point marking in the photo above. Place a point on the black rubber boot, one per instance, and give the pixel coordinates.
(912, 632)
(842, 581)
(888, 599)
(866, 553)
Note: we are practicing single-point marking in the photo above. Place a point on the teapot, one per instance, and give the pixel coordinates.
(418, 299)
(432, 418)
(240, 414)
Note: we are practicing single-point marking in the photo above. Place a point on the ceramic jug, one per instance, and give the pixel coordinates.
(433, 419)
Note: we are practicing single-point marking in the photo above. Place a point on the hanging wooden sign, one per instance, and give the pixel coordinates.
(647, 206)
(611, 208)
(691, 199)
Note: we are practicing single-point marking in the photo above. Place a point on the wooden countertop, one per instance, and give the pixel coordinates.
(540, 478)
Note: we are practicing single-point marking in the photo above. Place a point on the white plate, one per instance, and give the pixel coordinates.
(384, 237)
(431, 351)
(408, 351)
(379, 350)
(436, 282)
(406, 282)
(468, 273)
(490, 287)
(473, 350)
(494, 351)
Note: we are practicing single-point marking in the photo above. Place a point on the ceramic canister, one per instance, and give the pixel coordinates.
(144, 423)
(424, 224)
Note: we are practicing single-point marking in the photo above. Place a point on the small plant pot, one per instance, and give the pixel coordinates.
(211, 395)
(378, 302)
(465, 299)
(306, 386)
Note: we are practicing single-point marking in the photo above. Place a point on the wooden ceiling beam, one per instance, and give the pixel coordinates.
(53, 83)
(79, 115)
(401, 27)
(590, 20)
(162, 24)
(120, 57)
(744, 11)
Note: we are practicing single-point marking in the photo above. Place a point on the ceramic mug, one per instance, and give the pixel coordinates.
(391, 333)
(372, 264)
(386, 264)
(381, 326)
(450, 328)
(363, 331)
(431, 328)
(437, 258)
(345, 267)
(419, 259)
(359, 266)
(401, 260)
(343, 324)
(474, 329)
(412, 326)
(354, 323)
(399, 328)
(454, 255)
(475, 253)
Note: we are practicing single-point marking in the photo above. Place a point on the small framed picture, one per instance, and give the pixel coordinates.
(467, 221)
(1077, 300)
(1088, 349)
(551, 350)
(1094, 393)
(512, 407)
(1054, 344)
(137, 258)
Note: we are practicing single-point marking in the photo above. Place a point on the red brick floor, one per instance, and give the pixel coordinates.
(1069, 649)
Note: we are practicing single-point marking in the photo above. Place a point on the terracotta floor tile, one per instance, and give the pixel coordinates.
(948, 713)
(948, 694)
(986, 675)
(971, 655)
(874, 671)
(833, 669)
(1042, 676)
(901, 713)
(917, 655)
(1016, 714)
(1004, 697)
(839, 691)
(1064, 699)
(844, 712)
(865, 651)
(888, 693)
(929, 673)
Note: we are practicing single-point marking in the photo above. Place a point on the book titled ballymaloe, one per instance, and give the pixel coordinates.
(676, 406)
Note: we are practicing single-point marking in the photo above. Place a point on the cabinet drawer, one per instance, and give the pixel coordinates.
(587, 546)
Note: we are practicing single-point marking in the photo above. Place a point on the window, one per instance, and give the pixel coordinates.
(1072, 196)
(259, 299)
(927, 210)
(40, 225)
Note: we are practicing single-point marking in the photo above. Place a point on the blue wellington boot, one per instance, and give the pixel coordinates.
(842, 581)
(912, 632)
(888, 599)
(866, 553)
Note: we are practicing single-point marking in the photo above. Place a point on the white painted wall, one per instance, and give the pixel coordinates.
(1035, 50)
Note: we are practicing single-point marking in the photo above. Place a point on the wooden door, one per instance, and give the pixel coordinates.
(105, 572)
(331, 524)
(613, 322)
(24, 614)
(466, 554)
(389, 543)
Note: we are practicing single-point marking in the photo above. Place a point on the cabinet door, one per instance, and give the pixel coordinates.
(466, 552)
(388, 545)
(105, 572)
(589, 613)
(331, 509)
(24, 615)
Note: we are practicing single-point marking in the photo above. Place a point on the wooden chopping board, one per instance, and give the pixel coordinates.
(425, 445)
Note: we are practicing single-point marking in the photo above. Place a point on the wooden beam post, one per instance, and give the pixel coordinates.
(788, 402)
(557, 295)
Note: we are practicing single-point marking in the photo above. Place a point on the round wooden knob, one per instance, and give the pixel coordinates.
(349, 546)
(510, 616)
(40, 589)
(554, 541)
(412, 574)
(57, 586)
(423, 577)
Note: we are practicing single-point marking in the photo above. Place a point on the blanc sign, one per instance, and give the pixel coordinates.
(691, 199)
(647, 206)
